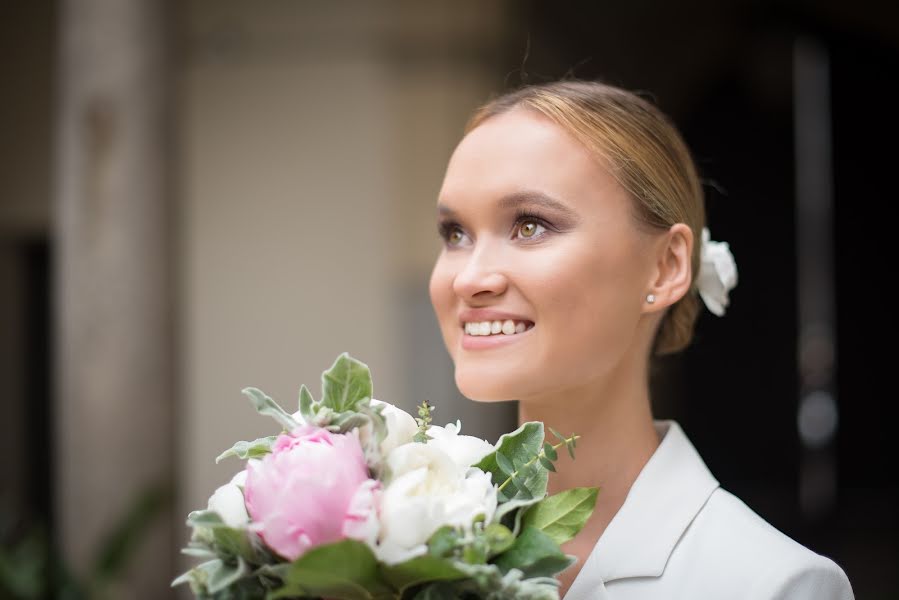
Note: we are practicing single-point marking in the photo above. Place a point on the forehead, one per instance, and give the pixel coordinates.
(522, 149)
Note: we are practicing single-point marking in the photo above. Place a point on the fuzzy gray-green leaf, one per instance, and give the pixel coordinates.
(244, 450)
(266, 406)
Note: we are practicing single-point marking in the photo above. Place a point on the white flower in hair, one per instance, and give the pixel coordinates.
(717, 273)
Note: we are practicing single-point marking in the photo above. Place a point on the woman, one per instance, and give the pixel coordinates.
(572, 220)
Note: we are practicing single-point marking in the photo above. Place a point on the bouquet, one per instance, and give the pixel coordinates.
(356, 499)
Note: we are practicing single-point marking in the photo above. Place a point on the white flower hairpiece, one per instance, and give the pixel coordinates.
(717, 273)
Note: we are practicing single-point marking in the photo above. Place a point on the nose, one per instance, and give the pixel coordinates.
(480, 277)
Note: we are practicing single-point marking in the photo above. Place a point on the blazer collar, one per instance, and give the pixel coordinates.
(667, 495)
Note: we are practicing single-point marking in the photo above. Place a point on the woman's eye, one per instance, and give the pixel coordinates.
(530, 229)
(453, 235)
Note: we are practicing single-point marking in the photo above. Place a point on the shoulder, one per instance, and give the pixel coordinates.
(746, 550)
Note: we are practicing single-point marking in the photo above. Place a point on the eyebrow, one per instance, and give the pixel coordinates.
(524, 198)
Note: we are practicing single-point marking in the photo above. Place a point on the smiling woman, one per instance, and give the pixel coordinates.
(574, 250)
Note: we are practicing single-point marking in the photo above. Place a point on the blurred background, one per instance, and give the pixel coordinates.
(200, 196)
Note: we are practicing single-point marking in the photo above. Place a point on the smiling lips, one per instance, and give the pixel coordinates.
(497, 327)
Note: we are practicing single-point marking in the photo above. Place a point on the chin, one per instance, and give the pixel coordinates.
(487, 385)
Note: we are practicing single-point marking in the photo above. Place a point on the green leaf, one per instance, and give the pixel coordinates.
(306, 402)
(233, 543)
(205, 518)
(547, 464)
(346, 383)
(557, 434)
(535, 554)
(499, 538)
(226, 575)
(437, 591)
(549, 451)
(244, 450)
(347, 570)
(349, 420)
(420, 570)
(443, 541)
(266, 406)
(510, 513)
(504, 463)
(520, 447)
(563, 515)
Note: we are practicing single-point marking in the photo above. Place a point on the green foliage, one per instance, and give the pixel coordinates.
(416, 571)
(424, 420)
(535, 554)
(563, 515)
(244, 450)
(346, 384)
(512, 466)
(490, 582)
(268, 407)
(513, 556)
(347, 570)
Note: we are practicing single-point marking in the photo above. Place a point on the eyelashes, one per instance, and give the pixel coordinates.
(452, 233)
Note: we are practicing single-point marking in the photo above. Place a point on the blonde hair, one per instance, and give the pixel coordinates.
(644, 152)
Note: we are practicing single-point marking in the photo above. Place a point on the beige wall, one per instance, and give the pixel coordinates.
(313, 140)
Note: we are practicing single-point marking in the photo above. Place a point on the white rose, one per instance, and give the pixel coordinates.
(228, 502)
(427, 490)
(401, 427)
(717, 273)
(465, 450)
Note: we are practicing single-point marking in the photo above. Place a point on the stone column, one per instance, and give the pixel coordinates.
(113, 286)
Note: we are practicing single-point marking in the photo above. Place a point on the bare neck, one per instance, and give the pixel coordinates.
(613, 418)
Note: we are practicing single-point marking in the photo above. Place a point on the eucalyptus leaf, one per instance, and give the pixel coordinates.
(549, 451)
(268, 407)
(504, 463)
(244, 450)
(521, 447)
(547, 464)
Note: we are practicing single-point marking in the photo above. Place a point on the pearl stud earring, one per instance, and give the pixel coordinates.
(650, 298)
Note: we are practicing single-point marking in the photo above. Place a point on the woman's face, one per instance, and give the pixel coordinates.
(543, 275)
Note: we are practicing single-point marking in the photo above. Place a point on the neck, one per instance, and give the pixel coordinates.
(613, 418)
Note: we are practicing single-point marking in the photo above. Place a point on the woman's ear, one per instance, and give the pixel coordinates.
(672, 271)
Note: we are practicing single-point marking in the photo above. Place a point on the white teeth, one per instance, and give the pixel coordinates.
(507, 327)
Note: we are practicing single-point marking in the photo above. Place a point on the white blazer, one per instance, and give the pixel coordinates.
(679, 535)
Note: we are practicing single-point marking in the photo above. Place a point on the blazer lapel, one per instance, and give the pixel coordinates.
(667, 495)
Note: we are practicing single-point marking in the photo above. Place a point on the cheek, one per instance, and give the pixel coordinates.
(440, 289)
(589, 309)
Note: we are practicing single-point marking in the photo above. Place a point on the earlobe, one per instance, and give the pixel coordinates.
(673, 269)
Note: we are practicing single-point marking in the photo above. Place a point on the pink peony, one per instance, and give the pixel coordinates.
(312, 489)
